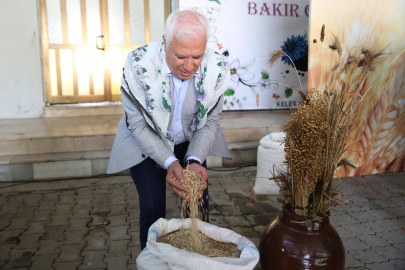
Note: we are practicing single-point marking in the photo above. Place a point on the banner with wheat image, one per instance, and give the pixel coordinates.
(377, 139)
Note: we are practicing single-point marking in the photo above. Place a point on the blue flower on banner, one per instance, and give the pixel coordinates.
(296, 48)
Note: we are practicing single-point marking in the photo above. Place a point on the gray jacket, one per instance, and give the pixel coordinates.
(135, 142)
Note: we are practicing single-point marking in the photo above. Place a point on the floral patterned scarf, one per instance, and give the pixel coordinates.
(149, 86)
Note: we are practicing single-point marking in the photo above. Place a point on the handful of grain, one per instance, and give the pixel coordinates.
(192, 240)
(192, 181)
(184, 239)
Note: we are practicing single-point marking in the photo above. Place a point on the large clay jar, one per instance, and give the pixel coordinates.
(294, 242)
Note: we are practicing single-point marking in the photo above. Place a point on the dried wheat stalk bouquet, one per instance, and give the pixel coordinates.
(318, 131)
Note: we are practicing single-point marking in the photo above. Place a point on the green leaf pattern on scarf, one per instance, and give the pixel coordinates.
(166, 106)
(219, 83)
(201, 96)
(169, 137)
(167, 95)
(149, 103)
(203, 110)
(139, 53)
(220, 80)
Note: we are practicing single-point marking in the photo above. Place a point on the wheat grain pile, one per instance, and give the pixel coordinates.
(192, 240)
(184, 239)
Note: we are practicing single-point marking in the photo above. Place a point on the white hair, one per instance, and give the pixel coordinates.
(186, 25)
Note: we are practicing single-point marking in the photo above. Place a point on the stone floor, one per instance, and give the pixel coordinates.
(78, 224)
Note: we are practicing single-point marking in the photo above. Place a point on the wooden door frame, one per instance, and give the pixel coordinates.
(45, 50)
(46, 64)
(106, 54)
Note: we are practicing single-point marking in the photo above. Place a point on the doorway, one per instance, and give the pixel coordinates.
(85, 43)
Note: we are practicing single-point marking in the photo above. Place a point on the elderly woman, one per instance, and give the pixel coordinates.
(172, 93)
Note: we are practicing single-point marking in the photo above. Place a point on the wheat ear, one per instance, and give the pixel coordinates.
(296, 71)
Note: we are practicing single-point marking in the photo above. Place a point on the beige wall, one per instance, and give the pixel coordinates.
(21, 84)
(377, 140)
